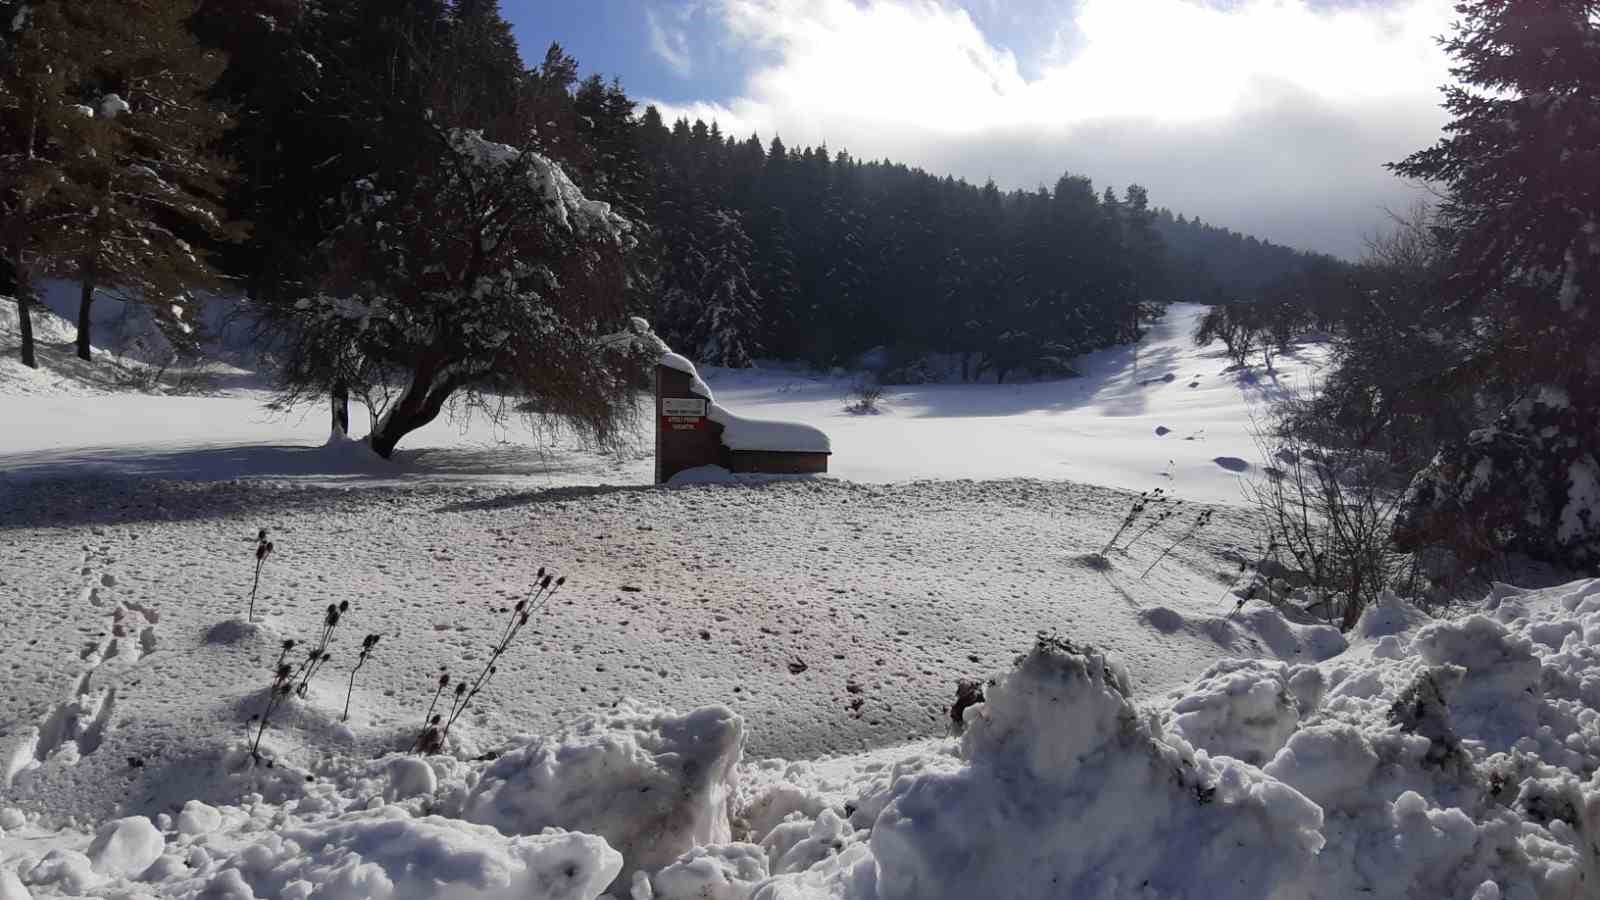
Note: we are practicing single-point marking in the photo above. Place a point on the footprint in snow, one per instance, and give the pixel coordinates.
(1162, 619)
(1232, 463)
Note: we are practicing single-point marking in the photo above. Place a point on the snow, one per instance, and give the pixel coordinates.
(198, 818)
(1062, 772)
(1427, 758)
(112, 105)
(571, 210)
(387, 853)
(740, 433)
(702, 475)
(1098, 429)
(743, 690)
(652, 783)
(125, 847)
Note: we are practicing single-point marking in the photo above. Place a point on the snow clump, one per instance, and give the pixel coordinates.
(653, 783)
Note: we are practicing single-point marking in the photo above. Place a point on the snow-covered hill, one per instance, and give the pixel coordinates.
(1166, 414)
(810, 635)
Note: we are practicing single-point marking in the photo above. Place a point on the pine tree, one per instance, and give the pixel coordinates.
(1522, 229)
(33, 85)
(725, 332)
(137, 189)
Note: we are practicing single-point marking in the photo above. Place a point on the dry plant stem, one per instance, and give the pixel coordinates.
(280, 689)
(251, 617)
(367, 644)
(427, 717)
(1204, 518)
(1165, 515)
(319, 656)
(1133, 514)
(520, 614)
(350, 689)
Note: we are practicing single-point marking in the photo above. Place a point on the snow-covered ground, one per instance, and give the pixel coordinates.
(810, 634)
(1167, 414)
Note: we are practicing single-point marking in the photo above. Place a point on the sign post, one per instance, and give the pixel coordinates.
(685, 437)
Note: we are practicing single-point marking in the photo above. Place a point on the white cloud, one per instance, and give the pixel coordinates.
(669, 43)
(1273, 116)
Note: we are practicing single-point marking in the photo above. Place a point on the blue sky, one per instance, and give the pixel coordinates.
(1274, 117)
(614, 38)
(678, 51)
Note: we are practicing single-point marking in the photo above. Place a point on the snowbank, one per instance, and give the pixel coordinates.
(388, 854)
(1450, 759)
(1068, 791)
(1430, 758)
(653, 783)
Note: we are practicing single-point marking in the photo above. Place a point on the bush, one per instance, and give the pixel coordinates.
(863, 398)
(1332, 509)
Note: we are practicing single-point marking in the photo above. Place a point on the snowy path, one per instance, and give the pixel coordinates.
(886, 594)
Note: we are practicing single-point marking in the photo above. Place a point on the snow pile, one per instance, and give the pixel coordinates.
(125, 846)
(386, 853)
(1067, 790)
(654, 784)
(1450, 759)
(1245, 708)
(739, 433)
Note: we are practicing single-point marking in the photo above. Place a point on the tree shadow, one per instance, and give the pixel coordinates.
(125, 485)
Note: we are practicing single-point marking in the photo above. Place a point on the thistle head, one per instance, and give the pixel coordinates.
(444, 679)
(461, 688)
(344, 606)
(261, 536)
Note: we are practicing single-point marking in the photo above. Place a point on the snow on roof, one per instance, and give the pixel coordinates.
(674, 361)
(739, 433)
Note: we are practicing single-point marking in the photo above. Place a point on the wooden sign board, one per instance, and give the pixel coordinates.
(683, 413)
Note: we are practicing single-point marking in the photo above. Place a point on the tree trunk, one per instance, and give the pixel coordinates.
(85, 300)
(419, 405)
(340, 401)
(25, 318)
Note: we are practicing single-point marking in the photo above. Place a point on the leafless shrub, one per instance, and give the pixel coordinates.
(1332, 510)
(863, 398)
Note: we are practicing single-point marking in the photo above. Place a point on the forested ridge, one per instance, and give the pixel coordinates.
(802, 253)
(275, 112)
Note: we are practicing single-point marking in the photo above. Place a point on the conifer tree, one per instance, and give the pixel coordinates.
(1521, 225)
(138, 187)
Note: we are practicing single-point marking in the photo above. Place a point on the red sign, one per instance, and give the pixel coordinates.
(683, 413)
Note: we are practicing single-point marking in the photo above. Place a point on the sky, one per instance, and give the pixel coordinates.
(1272, 117)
